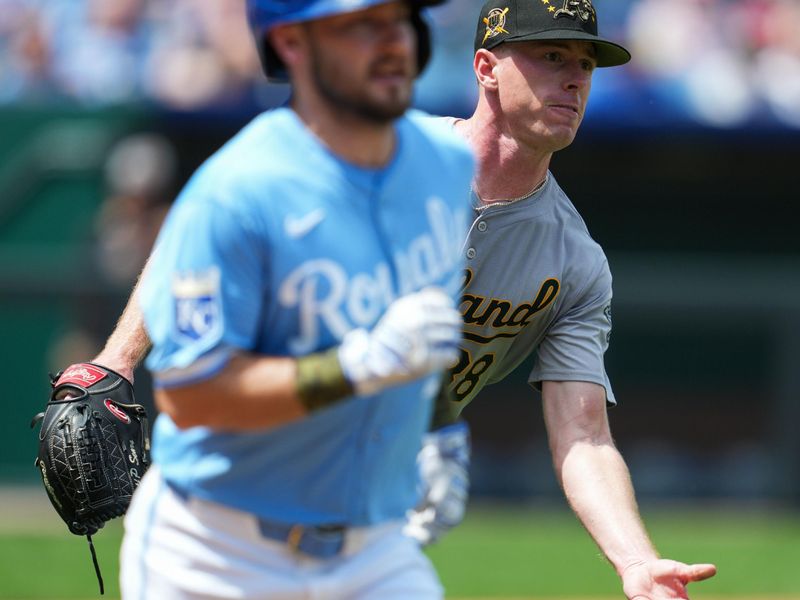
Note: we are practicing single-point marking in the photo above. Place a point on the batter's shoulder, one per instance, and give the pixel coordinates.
(270, 151)
(275, 141)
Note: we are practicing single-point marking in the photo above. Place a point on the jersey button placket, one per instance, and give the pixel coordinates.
(471, 253)
(482, 226)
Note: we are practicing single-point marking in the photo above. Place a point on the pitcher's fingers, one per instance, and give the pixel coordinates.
(698, 572)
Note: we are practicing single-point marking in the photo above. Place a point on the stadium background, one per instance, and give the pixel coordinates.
(686, 171)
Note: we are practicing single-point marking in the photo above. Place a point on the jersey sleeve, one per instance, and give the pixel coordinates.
(202, 290)
(574, 347)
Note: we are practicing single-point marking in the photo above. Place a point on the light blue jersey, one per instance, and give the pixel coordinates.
(278, 247)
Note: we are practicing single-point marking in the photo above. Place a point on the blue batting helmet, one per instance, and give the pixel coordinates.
(263, 15)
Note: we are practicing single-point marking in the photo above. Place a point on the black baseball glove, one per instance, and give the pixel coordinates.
(94, 447)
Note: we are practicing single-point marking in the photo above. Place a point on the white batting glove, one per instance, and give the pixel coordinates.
(418, 334)
(443, 463)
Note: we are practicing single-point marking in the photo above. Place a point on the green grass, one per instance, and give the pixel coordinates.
(54, 564)
(515, 552)
(497, 552)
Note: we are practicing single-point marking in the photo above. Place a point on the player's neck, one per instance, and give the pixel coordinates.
(506, 169)
(355, 139)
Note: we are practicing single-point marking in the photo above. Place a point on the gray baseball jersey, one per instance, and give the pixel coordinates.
(536, 283)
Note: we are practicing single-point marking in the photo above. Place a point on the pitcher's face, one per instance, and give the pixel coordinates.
(543, 87)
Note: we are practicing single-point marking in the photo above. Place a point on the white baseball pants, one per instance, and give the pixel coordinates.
(178, 548)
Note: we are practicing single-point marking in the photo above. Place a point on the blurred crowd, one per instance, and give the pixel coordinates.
(180, 53)
(725, 61)
(721, 63)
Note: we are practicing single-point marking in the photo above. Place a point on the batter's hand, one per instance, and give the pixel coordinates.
(443, 464)
(662, 579)
(418, 334)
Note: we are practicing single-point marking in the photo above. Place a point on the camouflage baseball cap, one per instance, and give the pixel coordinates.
(523, 20)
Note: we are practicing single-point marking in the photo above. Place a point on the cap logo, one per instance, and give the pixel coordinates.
(574, 9)
(495, 23)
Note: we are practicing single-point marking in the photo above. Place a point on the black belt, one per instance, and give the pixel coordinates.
(319, 541)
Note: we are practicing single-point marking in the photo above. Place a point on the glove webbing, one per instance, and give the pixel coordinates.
(96, 565)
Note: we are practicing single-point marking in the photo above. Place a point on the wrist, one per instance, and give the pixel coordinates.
(121, 360)
(321, 380)
(116, 363)
(634, 563)
(629, 566)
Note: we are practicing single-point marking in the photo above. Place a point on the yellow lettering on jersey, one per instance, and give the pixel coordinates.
(478, 310)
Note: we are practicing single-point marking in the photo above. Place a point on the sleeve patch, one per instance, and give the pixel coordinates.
(197, 304)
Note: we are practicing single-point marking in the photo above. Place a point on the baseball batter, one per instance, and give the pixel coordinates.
(301, 305)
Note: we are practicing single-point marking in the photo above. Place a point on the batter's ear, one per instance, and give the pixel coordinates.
(289, 44)
(484, 65)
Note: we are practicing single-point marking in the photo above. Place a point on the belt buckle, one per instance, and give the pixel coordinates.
(296, 532)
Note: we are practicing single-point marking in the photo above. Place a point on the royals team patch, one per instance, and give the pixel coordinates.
(197, 304)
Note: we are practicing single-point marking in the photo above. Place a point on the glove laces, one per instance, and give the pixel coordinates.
(96, 565)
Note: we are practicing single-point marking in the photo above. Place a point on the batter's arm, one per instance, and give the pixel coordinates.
(417, 336)
(597, 485)
(129, 343)
(250, 392)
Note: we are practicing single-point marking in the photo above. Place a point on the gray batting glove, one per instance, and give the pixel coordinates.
(443, 464)
(418, 334)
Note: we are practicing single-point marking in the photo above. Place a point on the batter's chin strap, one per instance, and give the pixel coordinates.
(96, 565)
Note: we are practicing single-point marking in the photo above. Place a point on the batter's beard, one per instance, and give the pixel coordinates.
(353, 100)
